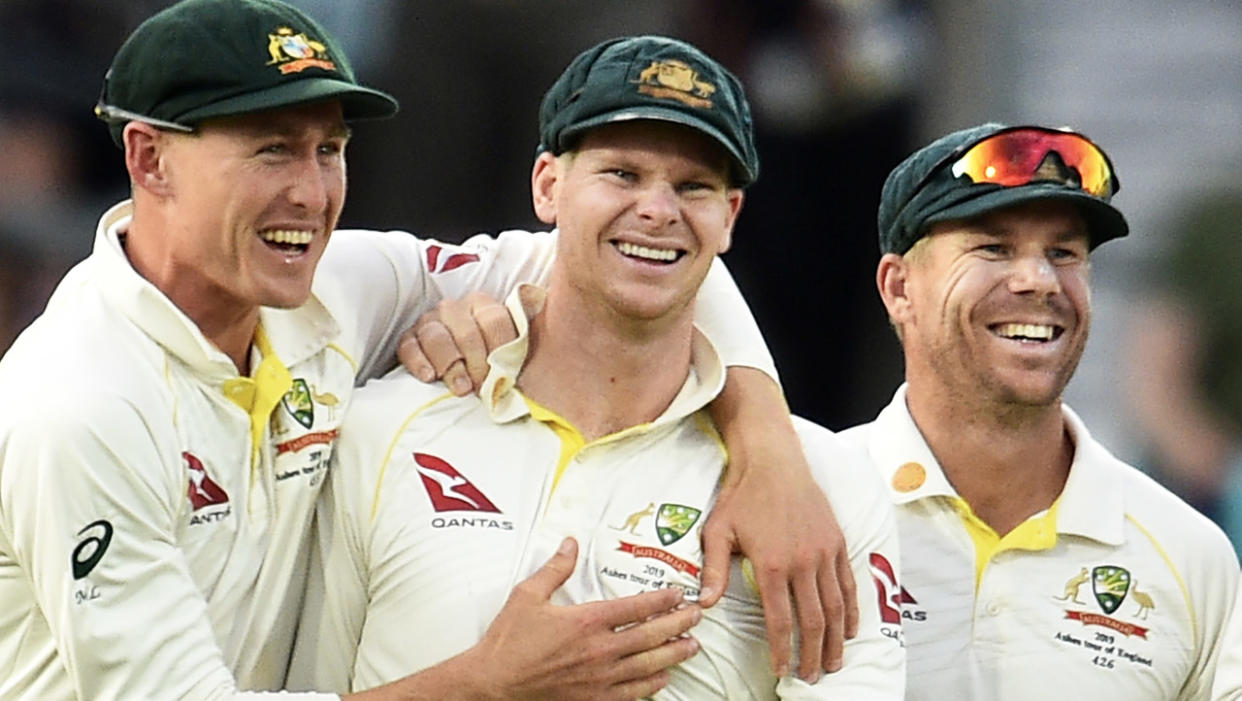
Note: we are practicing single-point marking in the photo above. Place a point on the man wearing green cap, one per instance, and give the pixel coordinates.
(1035, 564)
(591, 424)
(168, 420)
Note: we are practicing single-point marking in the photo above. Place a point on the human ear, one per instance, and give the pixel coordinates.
(734, 198)
(892, 278)
(144, 150)
(544, 177)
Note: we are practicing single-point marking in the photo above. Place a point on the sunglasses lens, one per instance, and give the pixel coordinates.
(1023, 156)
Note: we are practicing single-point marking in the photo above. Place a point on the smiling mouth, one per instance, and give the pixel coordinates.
(288, 240)
(1035, 333)
(647, 254)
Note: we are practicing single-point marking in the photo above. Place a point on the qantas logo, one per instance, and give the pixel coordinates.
(887, 588)
(450, 262)
(448, 490)
(202, 490)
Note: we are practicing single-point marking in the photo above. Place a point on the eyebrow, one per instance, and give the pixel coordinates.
(284, 128)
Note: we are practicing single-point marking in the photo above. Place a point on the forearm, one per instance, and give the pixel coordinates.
(458, 678)
(750, 413)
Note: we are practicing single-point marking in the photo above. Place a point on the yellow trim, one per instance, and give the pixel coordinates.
(396, 437)
(1181, 584)
(1036, 533)
(259, 394)
(348, 358)
(572, 440)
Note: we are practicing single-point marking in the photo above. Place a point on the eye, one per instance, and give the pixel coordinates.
(695, 186)
(1065, 255)
(273, 149)
(332, 148)
(994, 250)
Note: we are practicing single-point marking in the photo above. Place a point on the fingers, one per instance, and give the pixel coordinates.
(657, 630)
(468, 341)
(494, 321)
(718, 547)
(639, 688)
(644, 673)
(628, 610)
(410, 352)
(432, 339)
(849, 593)
(552, 574)
(811, 643)
(777, 614)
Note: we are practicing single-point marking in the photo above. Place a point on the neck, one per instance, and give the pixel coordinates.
(606, 376)
(1008, 462)
(228, 324)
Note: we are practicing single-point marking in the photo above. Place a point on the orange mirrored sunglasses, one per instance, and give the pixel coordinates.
(1023, 155)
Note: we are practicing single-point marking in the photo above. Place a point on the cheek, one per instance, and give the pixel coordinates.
(1078, 290)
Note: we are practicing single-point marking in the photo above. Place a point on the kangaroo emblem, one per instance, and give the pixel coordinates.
(1073, 585)
(633, 520)
(1143, 599)
(327, 399)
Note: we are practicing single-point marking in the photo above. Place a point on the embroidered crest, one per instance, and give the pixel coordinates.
(1110, 585)
(675, 80)
(674, 521)
(297, 52)
(298, 403)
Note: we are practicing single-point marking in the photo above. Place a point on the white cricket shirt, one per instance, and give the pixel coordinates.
(438, 505)
(155, 508)
(1118, 591)
(1227, 684)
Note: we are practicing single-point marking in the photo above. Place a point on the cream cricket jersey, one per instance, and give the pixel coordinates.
(155, 507)
(1118, 591)
(438, 505)
(1227, 685)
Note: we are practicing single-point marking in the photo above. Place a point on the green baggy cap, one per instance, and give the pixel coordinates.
(922, 191)
(650, 77)
(212, 58)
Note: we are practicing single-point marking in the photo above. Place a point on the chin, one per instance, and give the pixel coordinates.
(1044, 392)
(286, 299)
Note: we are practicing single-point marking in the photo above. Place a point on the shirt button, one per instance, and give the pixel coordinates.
(995, 608)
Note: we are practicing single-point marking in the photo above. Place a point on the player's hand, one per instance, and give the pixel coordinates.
(617, 649)
(771, 509)
(452, 341)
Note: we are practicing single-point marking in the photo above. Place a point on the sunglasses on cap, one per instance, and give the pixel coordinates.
(1023, 155)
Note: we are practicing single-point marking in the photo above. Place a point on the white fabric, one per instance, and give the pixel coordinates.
(406, 582)
(113, 399)
(1227, 684)
(114, 415)
(1022, 634)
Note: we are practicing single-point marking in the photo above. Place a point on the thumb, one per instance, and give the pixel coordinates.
(555, 571)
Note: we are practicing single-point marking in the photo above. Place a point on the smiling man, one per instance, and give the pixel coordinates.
(592, 424)
(168, 420)
(1035, 564)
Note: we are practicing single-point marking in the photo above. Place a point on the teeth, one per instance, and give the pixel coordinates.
(1036, 331)
(660, 254)
(287, 236)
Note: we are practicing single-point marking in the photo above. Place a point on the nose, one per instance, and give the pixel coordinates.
(1034, 274)
(658, 204)
(311, 184)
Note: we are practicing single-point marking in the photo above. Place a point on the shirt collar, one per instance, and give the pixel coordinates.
(295, 334)
(704, 381)
(1092, 504)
